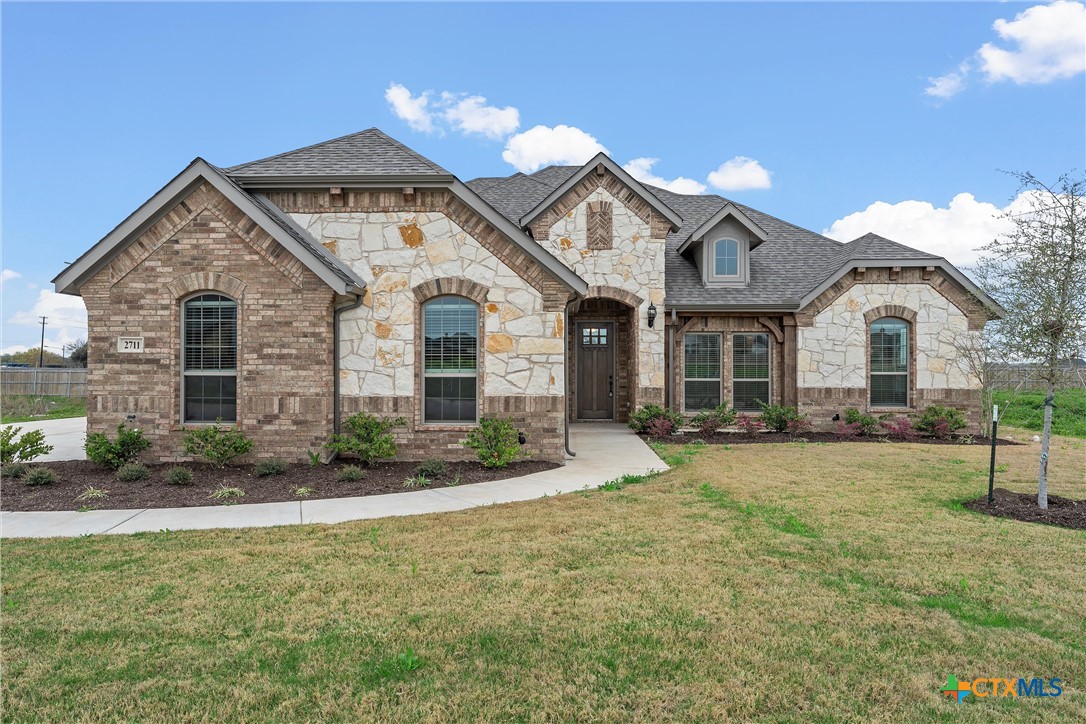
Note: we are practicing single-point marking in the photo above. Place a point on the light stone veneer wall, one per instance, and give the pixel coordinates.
(635, 264)
(394, 252)
(832, 353)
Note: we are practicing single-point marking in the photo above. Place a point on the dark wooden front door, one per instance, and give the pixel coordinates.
(595, 371)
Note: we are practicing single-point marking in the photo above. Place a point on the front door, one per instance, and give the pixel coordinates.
(595, 371)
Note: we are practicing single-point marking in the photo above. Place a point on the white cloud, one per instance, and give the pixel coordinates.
(66, 318)
(740, 174)
(410, 108)
(949, 85)
(953, 232)
(7, 275)
(541, 146)
(1051, 44)
(473, 115)
(641, 169)
(1048, 43)
(14, 349)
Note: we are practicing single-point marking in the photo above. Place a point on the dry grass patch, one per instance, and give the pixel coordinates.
(764, 581)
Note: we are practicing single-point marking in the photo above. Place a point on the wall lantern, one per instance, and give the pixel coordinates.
(652, 314)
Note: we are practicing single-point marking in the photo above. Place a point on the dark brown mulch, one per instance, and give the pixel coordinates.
(73, 477)
(741, 438)
(1063, 512)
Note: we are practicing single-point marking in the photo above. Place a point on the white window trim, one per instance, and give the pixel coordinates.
(209, 373)
(908, 365)
(769, 370)
(473, 375)
(720, 366)
(740, 279)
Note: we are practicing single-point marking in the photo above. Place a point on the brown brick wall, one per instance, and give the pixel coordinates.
(284, 330)
(821, 403)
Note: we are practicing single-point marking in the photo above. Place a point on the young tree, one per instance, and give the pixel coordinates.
(1037, 272)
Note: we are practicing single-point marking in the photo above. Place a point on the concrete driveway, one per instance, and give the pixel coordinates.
(66, 436)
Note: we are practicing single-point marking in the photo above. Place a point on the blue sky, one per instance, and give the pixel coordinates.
(838, 117)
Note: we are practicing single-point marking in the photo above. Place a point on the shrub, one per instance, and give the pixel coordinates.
(367, 437)
(432, 468)
(847, 429)
(264, 468)
(748, 423)
(303, 492)
(217, 445)
(29, 445)
(40, 476)
(13, 470)
(899, 427)
(178, 476)
(115, 453)
(417, 481)
(865, 424)
(350, 473)
(495, 441)
(777, 417)
(131, 472)
(712, 420)
(941, 421)
(640, 420)
(660, 427)
(798, 425)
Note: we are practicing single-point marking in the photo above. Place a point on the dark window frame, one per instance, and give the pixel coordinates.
(900, 394)
(442, 379)
(203, 363)
(751, 380)
(687, 379)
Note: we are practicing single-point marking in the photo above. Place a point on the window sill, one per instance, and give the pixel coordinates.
(898, 410)
(451, 427)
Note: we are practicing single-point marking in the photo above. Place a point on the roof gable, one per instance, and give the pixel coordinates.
(728, 210)
(327, 267)
(602, 159)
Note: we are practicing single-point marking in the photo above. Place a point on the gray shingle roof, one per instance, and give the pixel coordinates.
(366, 153)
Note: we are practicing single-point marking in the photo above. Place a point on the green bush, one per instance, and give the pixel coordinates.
(217, 445)
(264, 468)
(29, 446)
(14, 470)
(40, 476)
(640, 420)
(779, 418)
(496, 442)
(131, 472)
(865, 424)
(178, 476)
(712, 420)
(432, 468)
(115, 453)
(367, 437)
(941, 421)
(350, 474)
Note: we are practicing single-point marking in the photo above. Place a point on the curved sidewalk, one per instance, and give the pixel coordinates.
(604, 452)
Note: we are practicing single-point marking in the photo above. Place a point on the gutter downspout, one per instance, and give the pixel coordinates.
(335, 363)
(565, 372)
(671, 361)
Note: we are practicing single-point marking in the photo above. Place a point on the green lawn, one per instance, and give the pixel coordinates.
(1026, 409)
(776, 582)
(26, 408)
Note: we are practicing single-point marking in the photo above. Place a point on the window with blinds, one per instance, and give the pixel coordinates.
(450, 328)
(701, 364)
(889, 362)
(209, 349)
(750, 371)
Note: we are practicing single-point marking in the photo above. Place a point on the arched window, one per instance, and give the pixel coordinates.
(889, 362)
(726, 258)
(450, 360)
(209, 353)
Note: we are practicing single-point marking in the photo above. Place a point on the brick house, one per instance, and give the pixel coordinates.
(287, 293)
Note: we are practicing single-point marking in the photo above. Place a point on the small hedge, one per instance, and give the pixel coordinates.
(496, 442)
(941, 421)
(217, 445)
(115, 453)
(643, 418)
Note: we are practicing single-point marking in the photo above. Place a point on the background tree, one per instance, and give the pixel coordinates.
(30, 357)
(1037, 272)
(78, 355)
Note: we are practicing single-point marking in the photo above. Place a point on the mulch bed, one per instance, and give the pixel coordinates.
(73, 477)
(1063, 512)
(742, 438)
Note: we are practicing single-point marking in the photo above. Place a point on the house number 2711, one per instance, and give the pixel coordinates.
(130, 344)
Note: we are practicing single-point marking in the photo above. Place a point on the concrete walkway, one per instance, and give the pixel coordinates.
(604, 452)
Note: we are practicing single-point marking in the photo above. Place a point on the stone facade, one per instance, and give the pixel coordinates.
(833, 356)
(205, 243)
(634, 263)
(400, 253)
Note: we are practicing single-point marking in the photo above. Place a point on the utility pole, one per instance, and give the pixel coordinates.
(41, 350)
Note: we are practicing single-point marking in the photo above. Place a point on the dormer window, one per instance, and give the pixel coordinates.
(726, 258)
